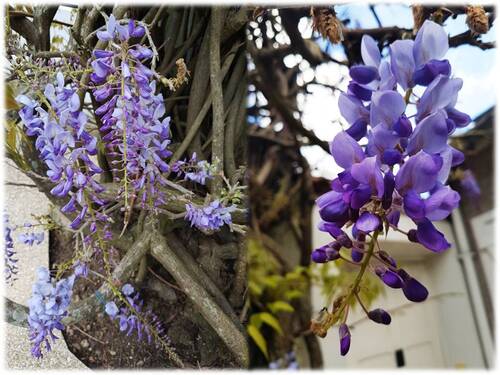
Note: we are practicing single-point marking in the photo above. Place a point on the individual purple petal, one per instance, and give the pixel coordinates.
(430, 135)
(430, 237)
(380, 316)
(358, 129)
(368, 172)
(331, 228)
(419, 173)
(379, 140)
(426, 74)
(332, 206)
(363, 74)
(402, 62)
(414, 206)
(345, 150)
(459, 118)
(402, 126)
(391, 157)
(367, 222)
(386, 108)
(345, 339)
(441, 93)
(352, 109)
(441, 202)
(319, 256)
(389, 184)
(413, 289)
(360, 196)
(359, 91)
(127, 289)
(431, 43)
(387, 79)
(356, 255)
(369, 51)
(390, 278)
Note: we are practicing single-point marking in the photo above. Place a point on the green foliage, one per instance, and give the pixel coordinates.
(332, 279)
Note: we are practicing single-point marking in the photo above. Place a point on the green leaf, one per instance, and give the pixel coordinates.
(257, 337)
(278, 306)
(294, 293)
(271, 321)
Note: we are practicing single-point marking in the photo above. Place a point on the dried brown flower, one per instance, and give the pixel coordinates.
(418, 17)
(325, 22)
(477, 19)
(181, 76)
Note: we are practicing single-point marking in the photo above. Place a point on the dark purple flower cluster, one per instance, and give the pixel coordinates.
(405, 163)
(210, 217)
(9, 254)
(135, 318)
(64, 145)
(132, 115)
(48, 305)
(194, 170)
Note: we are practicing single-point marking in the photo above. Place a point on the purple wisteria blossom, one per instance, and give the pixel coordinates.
(48, 305)
(195, 170)
(136, 319)
(210, 217)
(132, 115)
(10, 259)
(404, 165)
(64, 145)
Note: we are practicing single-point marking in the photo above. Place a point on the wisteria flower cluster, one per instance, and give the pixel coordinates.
(402, 168)
(132, 115)
(134, 138)
(210, 217)
(9, 252)
(134, 317)
(28, 237)
(198, 171)
(48, 305)
(64, 146)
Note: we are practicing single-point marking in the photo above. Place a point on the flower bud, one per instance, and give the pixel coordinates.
(380, 316)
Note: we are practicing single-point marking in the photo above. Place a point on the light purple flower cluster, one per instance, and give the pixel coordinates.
(64, 145)
(132, 115)
(210, 217)
(48, 305)
(405, 163)
(30, 237)
(9, 254)
(129, 320)
(194, 170)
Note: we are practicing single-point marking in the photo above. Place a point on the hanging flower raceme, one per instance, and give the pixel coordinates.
(134, 318)
(48, 305)
(132, 115)
(210, 217)
(402, 168)
(10, 259)
(64, 145)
